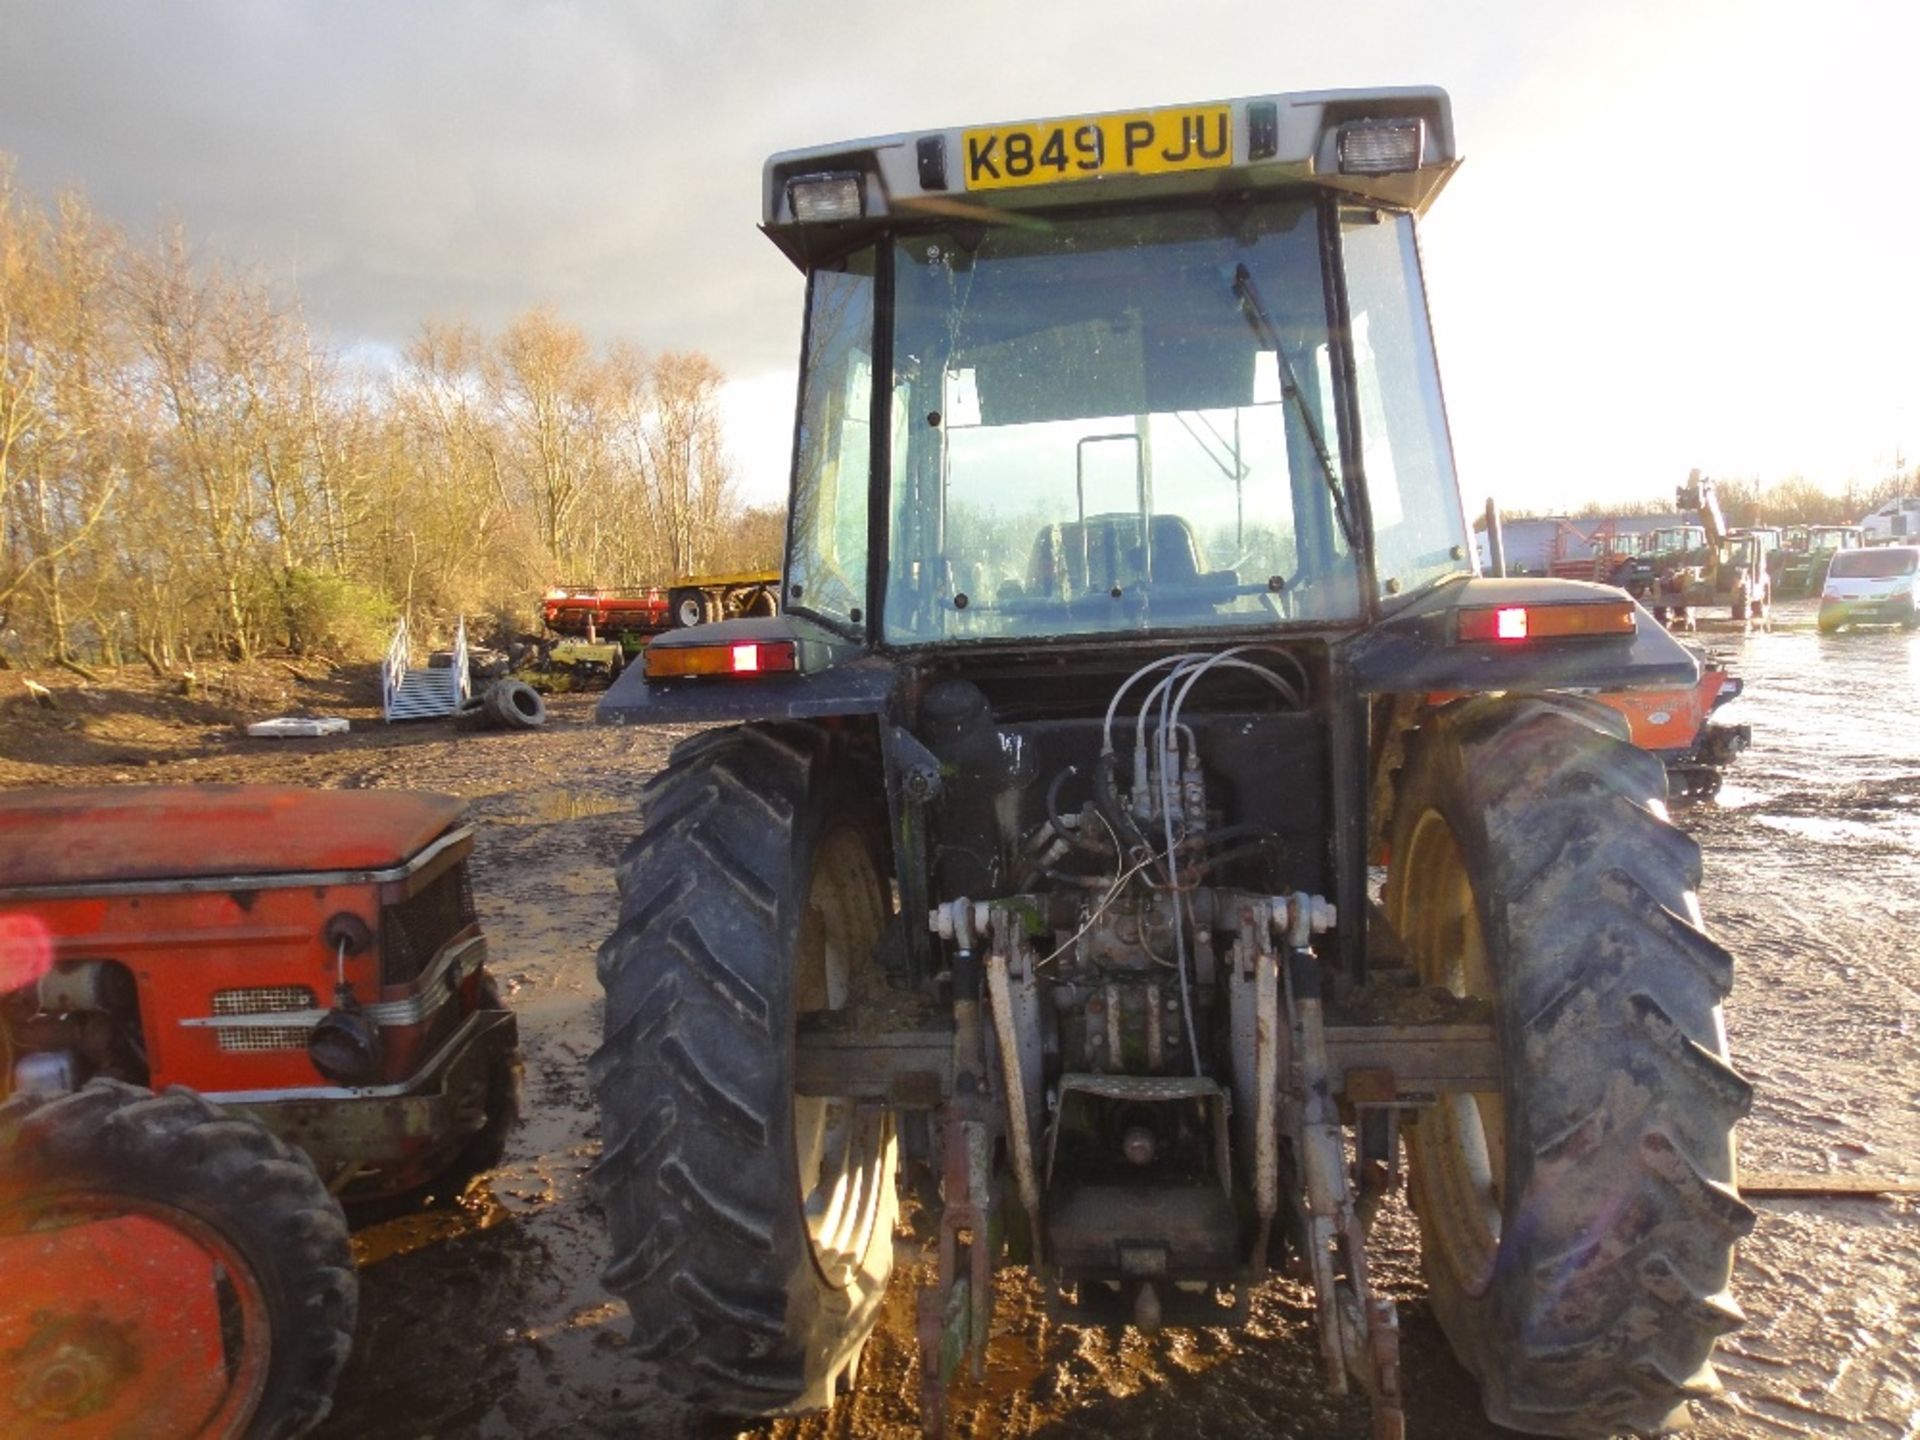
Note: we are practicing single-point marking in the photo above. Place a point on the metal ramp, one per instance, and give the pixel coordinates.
(422, 692)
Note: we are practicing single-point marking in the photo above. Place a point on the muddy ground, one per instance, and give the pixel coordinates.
(484, 1317)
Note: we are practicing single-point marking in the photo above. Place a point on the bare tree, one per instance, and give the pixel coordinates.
(679, 443)
(185, 467)
(60, 444)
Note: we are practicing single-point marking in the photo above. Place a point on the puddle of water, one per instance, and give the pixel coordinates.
(1827, 831)
(476, 1210)
(1739, 797)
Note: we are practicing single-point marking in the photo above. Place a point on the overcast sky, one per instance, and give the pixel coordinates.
(1685, 233)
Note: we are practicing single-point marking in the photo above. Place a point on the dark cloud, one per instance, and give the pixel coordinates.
(404, 160)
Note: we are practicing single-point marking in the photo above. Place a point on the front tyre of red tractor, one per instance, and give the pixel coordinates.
(752, 1227)
(1578, 1227)
(165, 1269)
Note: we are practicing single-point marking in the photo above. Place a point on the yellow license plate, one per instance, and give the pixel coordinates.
(1047, 152)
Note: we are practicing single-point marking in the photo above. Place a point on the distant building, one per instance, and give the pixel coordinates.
(1897, 520)
(1553, 543)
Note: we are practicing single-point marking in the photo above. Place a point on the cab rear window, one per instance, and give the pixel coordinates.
(1875, 564)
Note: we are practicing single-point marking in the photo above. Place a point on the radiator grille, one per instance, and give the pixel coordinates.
(262, 1000)
(276, 1037)
(413, 931)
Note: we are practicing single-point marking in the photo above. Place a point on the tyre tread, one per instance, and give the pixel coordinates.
(706, 1240)
(1605, 1308)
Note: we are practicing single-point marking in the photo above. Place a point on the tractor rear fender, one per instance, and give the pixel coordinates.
(831, 679)
(1417, 650)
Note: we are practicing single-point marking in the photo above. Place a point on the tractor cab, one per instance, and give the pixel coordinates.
(1678, 541)
(1120, 374)
(1825, 538)
(1152, 376)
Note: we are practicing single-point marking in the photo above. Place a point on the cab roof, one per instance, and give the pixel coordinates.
(1275, 140)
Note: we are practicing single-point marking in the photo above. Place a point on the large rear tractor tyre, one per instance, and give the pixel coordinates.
(165, 1269)
(752, 1228)
(1578, 1227)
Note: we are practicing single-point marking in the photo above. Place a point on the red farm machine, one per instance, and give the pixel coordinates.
(224, 1013)
(605, 628)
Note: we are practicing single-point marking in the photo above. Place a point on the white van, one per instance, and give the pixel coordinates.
(1872, 587)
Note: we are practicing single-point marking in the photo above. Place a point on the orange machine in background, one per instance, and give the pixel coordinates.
(1677, 725)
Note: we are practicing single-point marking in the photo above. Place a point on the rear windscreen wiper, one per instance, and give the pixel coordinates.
(1268, 334)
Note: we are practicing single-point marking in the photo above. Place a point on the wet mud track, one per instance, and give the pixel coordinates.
(485, 1318)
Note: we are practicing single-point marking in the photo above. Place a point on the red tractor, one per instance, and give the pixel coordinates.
(224, 1013)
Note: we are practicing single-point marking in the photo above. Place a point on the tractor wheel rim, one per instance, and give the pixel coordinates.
(69, 1380)
(840, 1147)
(1465, 1140)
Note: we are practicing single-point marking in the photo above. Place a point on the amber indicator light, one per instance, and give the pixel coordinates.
(1505, 624)
(750, 657)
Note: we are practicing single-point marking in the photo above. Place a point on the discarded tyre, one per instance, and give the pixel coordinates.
(515, 705)
(752, 1227)
(165, 1269)
(1578, 1228)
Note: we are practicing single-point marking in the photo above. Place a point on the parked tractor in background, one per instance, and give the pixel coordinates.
(1803, 567)
(1602, 556)
(309, 963)
(1663, 553)
(1129, 619)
